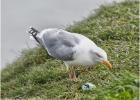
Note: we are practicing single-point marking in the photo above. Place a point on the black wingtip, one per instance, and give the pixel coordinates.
(33, 31)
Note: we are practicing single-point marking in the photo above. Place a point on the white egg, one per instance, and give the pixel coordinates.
(88, 86)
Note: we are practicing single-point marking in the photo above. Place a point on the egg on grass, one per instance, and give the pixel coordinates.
(88, 86)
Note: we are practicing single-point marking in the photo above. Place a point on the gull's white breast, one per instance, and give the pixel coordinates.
(82, 55)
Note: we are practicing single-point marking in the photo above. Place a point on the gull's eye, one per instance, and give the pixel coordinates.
(98, 55)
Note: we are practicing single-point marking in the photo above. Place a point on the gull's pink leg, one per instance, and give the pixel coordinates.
(72, 74)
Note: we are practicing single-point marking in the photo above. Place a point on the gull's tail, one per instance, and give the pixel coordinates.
(33, 33)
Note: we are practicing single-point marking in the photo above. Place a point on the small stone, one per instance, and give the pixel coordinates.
(88, 86)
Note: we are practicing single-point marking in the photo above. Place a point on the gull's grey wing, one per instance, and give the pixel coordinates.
(60, 45)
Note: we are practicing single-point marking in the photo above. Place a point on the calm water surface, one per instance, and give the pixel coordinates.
(18, 15)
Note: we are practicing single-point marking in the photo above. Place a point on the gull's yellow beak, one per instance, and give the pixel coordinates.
(107, 63)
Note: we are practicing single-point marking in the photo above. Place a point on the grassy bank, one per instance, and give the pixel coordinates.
(115, 29)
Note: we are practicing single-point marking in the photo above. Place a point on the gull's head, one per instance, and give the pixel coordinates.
(100, 56)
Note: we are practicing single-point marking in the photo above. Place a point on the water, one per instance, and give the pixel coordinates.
(18, 15)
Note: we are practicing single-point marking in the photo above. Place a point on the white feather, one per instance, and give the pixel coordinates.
(31, 38)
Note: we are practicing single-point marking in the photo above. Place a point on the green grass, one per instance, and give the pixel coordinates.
(114, 28)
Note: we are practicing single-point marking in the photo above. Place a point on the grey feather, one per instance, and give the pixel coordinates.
(60, 44)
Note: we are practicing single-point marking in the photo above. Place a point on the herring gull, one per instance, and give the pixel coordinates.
(72, 48)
